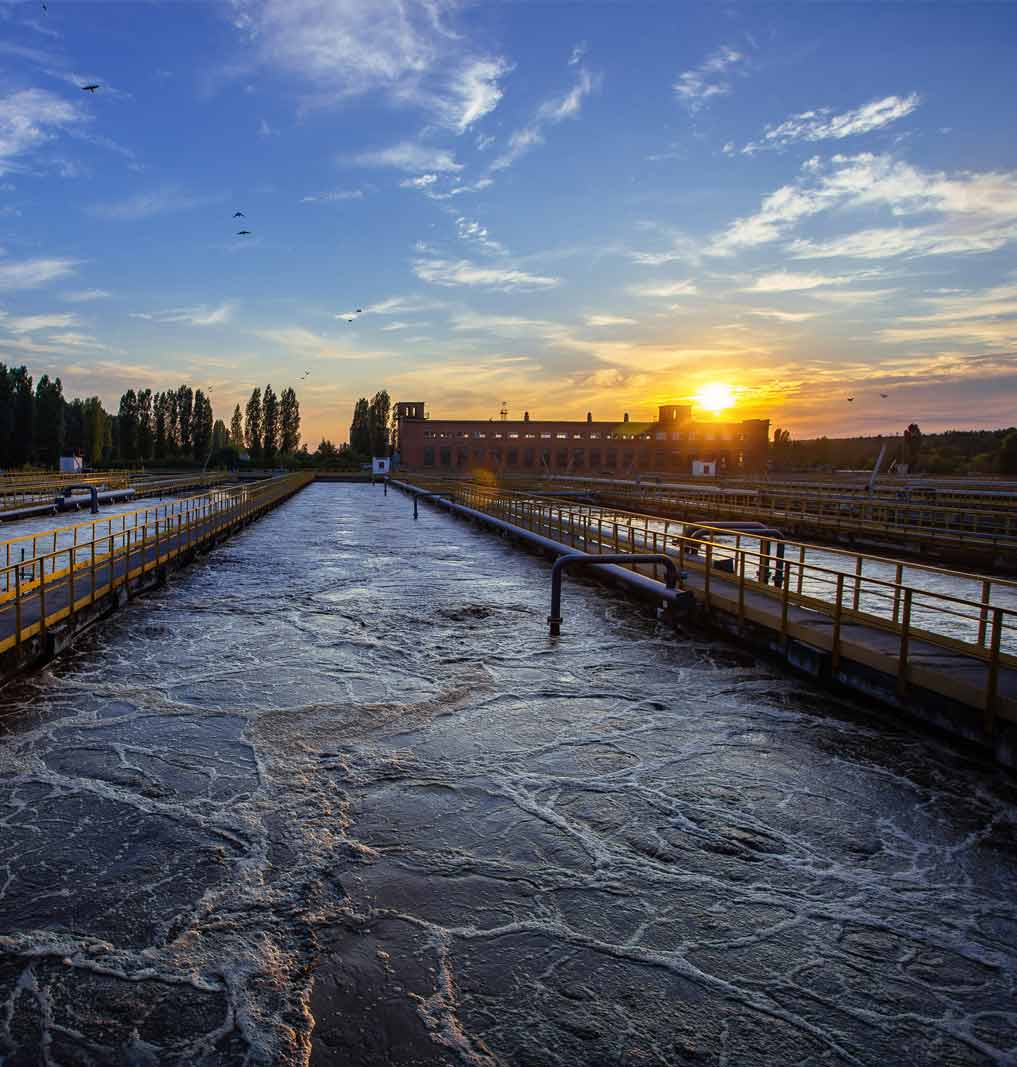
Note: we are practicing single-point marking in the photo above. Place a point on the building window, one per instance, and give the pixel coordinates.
(429, 434)
(445, 457)
(594, 436)
(675, 435)
(660, 461)
(462, 433)
(479, 433)
(513, 457)
(545, 458)
(627, 458)
(661, 435)
(495, 455)
(594, 459)
(578, 457)
(577, 436)
(462, 457)
(529, 435)
(478, 455)
(545, 436)
(497, 435)
(563, 458)
(528, 456)
(561, 436)
(428, 457)
(513, 435)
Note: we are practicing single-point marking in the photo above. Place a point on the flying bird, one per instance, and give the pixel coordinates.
(884, 395)
(90, 88)
(304, 375)
(239, 215)
(851, 399)
(243, 233)
(359, 310)
(349, 320)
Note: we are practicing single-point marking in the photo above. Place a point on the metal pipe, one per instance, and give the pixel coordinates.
(583, 559)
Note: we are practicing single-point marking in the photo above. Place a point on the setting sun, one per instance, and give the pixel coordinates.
(715, 397)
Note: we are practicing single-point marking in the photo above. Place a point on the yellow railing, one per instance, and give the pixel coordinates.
(89, 560)
(781, 585)
(32, 489)
(993, 528)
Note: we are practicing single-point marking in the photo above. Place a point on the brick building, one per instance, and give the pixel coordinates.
(667, 446)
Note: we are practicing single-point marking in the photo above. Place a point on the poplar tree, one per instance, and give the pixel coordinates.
(201, 426)
(252, 424)
(159, 431)
(237, 429)
(360, 428)
(146, 429)
(6, 415)
(185, 409)
(22, 433)
(269, 424)
(378, 416)
(49, 421)
(289, 422)
(127, 426)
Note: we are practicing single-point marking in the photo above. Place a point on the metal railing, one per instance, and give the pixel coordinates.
(71, 566)
(879, 619)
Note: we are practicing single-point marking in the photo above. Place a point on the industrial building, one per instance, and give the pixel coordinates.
(674, 444)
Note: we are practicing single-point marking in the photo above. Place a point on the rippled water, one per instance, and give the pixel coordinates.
(333, 795)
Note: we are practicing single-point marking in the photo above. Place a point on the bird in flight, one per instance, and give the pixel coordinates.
(884, 395)
(349, 320)
(851, 399)
(359, 310)
(304, 375)
(90, 88)
(243, 233)
(239, 215)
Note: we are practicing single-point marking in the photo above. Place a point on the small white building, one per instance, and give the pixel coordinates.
(71, 464)
(704, 468)
(380, 465)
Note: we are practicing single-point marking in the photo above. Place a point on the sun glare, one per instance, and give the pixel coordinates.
(715, 397)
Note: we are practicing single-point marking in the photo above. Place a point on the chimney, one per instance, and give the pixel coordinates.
(526, 416)
(626, 416)
(589, 416)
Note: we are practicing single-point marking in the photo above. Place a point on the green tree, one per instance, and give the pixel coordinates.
(289, 422)
(49, 421)
(6, 416)
(1008, 454)
(378, 423)
(172, 423)
(146, 427)
(22, 435)
(220, 436)
(74, 427)
(912, 446)
(252, 424)
(360, 429)
(269, 424)
(160, 427)
(237, 429)
(201, 427)
(185, 410)
(96, 434)
(127, 427)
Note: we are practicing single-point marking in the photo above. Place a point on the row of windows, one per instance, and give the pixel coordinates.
(564, 459)
(659, 435)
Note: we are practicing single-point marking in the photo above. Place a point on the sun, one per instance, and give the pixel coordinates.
(715, 397)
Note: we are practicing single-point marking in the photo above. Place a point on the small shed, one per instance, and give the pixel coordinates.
(704, 468)
(380, 465)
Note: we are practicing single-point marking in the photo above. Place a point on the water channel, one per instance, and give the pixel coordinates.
(334, 797)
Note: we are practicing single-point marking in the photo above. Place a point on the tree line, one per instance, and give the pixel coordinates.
(39, 425)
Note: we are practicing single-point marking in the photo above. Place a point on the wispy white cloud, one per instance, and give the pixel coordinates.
(696, 86)
(193, 316)
(35, 323)
(31, 273)
(679, 287)
(783, 281)
(420, 182)
(265, 129)
(578, 52)
(333, 196)
(783, 316)
(148, 204)
(402, 305)
(978, 210)
(472, 231)
(81, 296)
(823, 125)
(609, 320)
(30, 118)
(411, 157)
(463, 272)
(549, 113)
(473, 92)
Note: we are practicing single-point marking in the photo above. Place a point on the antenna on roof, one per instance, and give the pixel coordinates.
(504, 410)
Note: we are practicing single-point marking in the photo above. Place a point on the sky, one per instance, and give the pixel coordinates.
(560, 208)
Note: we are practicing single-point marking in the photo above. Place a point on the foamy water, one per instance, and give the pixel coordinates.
(334, 796)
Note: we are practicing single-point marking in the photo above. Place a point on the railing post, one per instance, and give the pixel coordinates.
(858, 583)
(42, 594)
(17, 607)
(785, 593)
(897, 582)
(992, 681)
(706, 574)
(983, 617)
(837, 612)
(741, 584)
(902, 654)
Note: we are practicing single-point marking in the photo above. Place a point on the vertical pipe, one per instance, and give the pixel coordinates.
(897, 583)
(706, 574)
(17, 607)
(740, 557)
(858, 583)
(983, 617)
(801, 567)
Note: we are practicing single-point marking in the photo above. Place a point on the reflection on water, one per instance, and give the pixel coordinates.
(334, 795)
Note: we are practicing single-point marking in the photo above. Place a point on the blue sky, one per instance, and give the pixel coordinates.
(567, 207)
